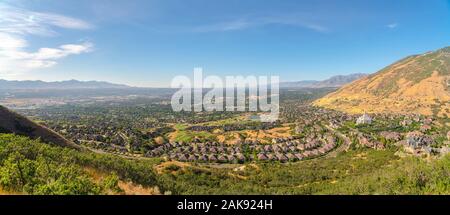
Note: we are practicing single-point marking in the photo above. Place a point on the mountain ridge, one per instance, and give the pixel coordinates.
(12, 122)
(332, 82)
(415, 84)
(68, 84)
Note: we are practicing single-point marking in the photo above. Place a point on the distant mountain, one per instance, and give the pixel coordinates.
(11, 122)
(416, 84)
(71, 84)
(298, 84)
(335, 81)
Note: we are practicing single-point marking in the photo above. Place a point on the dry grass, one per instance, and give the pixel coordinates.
(128, 188)
(405, 94)
(164, 165)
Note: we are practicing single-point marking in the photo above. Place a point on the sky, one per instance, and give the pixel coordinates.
(146, 43)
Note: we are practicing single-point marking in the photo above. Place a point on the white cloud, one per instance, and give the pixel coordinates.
(20, 21)
(15, 60)
(8, 42)
(62, 51)
(241, 24)
(17, 23)
(392, 25)
(225, 26)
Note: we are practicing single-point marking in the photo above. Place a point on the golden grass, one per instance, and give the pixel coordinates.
(129, 188)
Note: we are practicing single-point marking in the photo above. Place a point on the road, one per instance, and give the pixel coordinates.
(343, 147)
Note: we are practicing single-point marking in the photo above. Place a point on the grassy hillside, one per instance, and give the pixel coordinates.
(418, 84)
(12, 122)
(32, 167)
(357, 172)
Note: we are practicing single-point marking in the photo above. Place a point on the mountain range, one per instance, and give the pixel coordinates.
(333, 82)
(415, 84)
(70, 84)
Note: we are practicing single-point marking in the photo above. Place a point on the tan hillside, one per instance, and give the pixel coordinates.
(416, 84)
(11, 122)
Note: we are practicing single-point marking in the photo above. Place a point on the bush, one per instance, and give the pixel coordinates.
(29, 166)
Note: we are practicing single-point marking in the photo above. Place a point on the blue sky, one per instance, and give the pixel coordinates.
(148, 42)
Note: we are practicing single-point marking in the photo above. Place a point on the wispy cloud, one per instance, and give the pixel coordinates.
(392, 25)
(224, 26)
(17, 23)
(245, 23)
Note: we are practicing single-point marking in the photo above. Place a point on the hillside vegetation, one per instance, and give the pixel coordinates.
(418, 84)
(359, 171)
(14, 123)
(32, 167)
